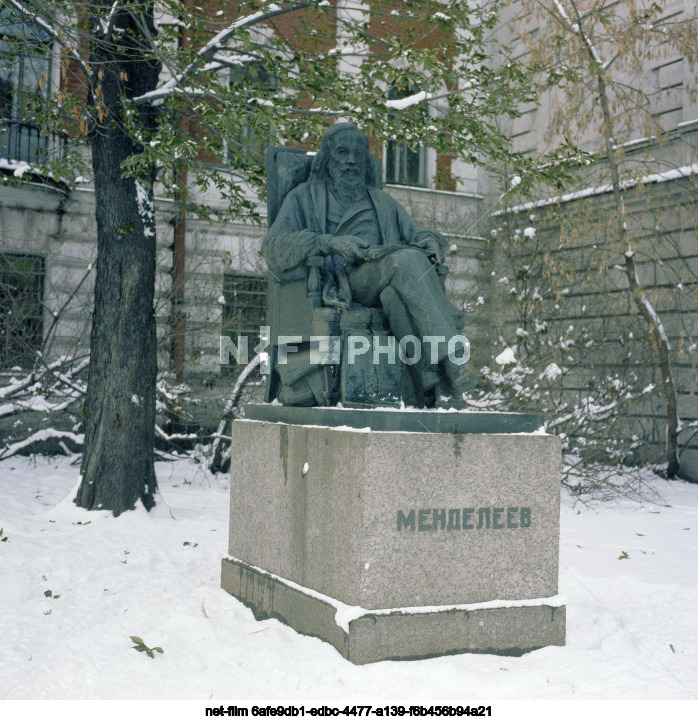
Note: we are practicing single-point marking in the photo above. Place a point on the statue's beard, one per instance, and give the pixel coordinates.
(349, 187)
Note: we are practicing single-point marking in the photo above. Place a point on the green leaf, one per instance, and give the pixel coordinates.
(142, 648)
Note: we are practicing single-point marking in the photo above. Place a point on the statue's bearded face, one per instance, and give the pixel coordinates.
(347, 164)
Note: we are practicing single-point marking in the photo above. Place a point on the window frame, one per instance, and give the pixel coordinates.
(20, 140)
(32, 337)
(397, 156)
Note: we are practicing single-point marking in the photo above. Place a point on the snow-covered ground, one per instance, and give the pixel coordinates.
(75, 586)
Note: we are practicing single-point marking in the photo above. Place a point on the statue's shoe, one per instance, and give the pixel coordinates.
(463, 381)
(445, 398)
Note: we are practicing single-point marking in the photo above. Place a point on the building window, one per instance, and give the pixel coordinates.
(244, 311)
(25, 79)
(405, 165)
(21, 309)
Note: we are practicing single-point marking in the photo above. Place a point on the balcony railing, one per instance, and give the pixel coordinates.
(19, 141)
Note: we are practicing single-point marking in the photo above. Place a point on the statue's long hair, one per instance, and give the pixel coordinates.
(318, 168)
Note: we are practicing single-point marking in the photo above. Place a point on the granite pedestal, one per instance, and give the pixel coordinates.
(398, 543)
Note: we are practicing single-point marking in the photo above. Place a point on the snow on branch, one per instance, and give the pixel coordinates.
(41, 437)
(638, 290)
(423, 96)
(563, 14)
(51, 390)
(106, 23)
(574, 28)
(37, 404)
(232, 402)
(16, 386)
(410, 100)
(207, 52)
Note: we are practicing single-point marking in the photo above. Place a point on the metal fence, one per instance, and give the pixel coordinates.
(19, 141)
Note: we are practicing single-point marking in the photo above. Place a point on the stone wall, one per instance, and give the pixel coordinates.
(564, 257)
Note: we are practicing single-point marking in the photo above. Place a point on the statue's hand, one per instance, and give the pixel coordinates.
(431, 247)
(349, 247)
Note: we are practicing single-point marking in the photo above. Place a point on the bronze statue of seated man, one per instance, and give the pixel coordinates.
(376, 255)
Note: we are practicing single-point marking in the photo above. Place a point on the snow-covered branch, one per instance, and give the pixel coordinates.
(207, 52)
(106, 23)
(54, 392)
(576, 29)
(43, 438)
(17, 386)
(663, 348)
(402, 103)
(234, 399)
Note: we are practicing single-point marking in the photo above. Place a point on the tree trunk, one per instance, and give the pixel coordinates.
(661, 343)
(118, 465)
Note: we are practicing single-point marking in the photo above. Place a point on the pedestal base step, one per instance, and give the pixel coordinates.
(509, 628)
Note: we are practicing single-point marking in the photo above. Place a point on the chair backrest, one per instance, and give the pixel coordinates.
(287, 168)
